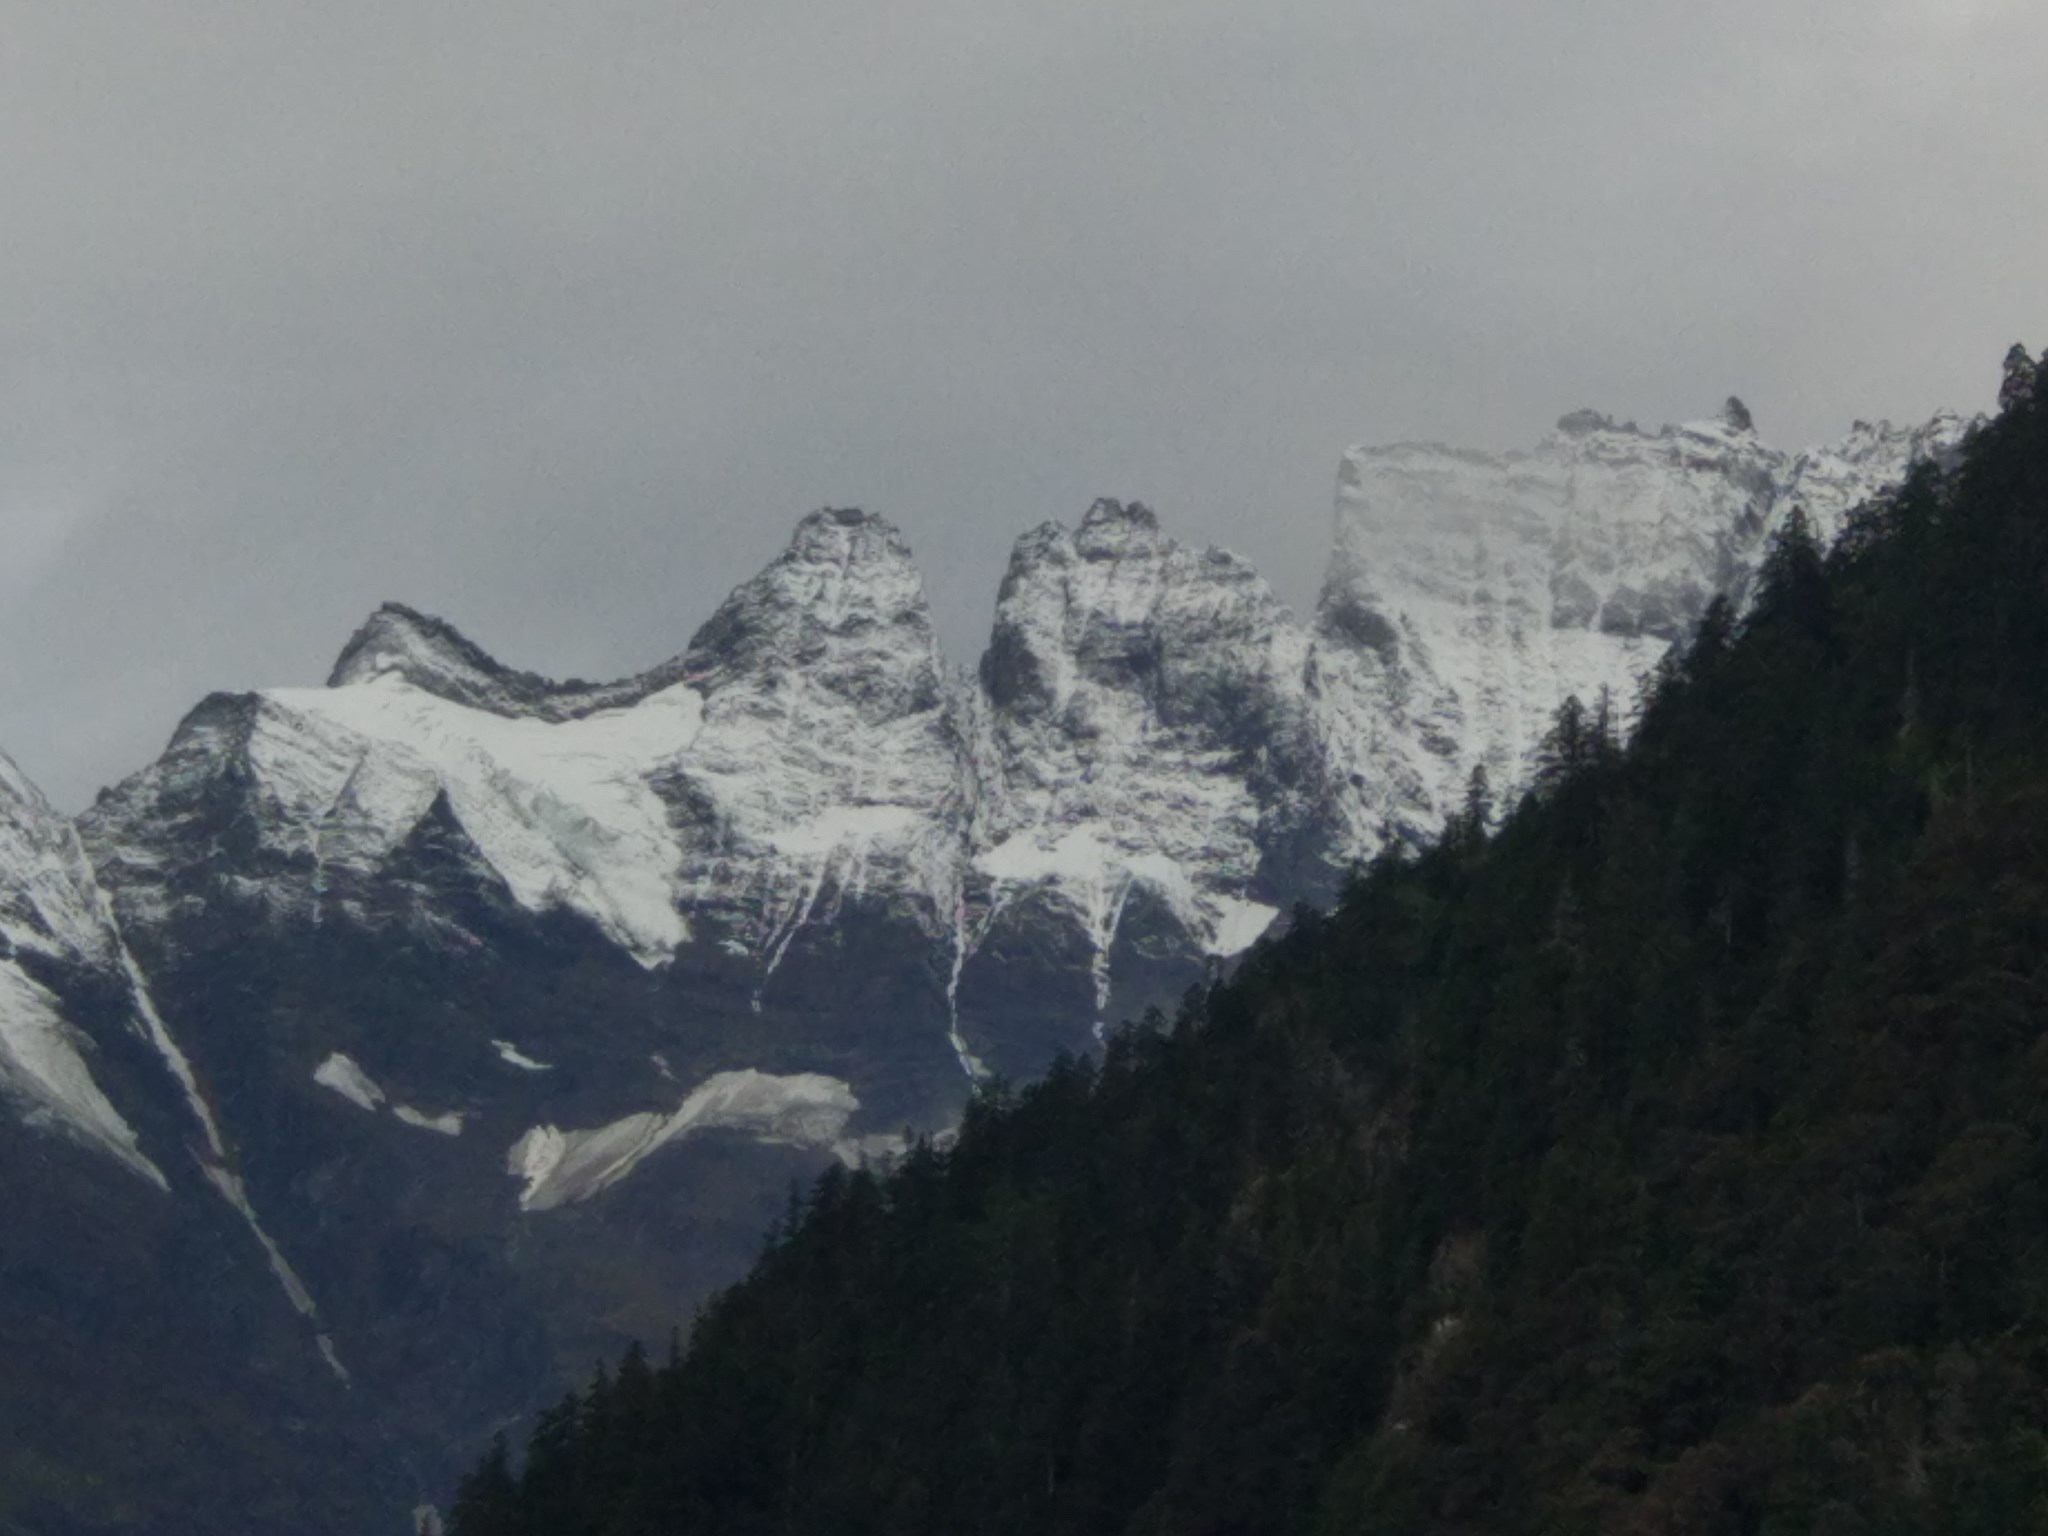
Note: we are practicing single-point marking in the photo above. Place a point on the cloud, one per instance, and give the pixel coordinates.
(37, 527)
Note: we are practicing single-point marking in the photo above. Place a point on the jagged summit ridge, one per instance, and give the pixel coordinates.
(800, 743)
(1829, 482)
(435, 657)
(1148, 724)
(845, 574)
(454, 946)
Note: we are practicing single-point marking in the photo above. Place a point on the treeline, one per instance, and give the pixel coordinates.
(1670, 1159)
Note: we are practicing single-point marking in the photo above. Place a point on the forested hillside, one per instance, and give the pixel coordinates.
(1669, 1159)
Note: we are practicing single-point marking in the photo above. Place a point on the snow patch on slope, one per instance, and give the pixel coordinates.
(1239, 925)
(559, 1167)
(43, 1073)
(447, 1124)
(340, 1073)
(512, 1056)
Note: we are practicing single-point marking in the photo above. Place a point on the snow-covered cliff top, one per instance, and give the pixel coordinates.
(1470, 593)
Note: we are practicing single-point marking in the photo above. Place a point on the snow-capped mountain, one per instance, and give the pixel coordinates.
(827, 766)
(1829, 483)
(802, 748)
(1470, 593)
(1151, 737)
(498, 1013)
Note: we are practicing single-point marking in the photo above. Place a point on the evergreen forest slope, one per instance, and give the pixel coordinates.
(1669, 1159)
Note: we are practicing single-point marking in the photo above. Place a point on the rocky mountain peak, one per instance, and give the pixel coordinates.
(427, 651)
(843, 604)
(1147, 738)
(434, 656)
(856, 565)
(1578, 423)
(1112, 530)
(1117, 606)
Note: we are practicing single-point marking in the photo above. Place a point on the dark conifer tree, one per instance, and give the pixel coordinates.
(487, 1503)
(2016, 385)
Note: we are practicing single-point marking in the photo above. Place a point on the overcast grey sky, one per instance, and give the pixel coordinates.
(552, 318)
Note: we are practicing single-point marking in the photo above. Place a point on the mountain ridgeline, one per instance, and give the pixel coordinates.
(1670, 1156)
(386, 1052)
